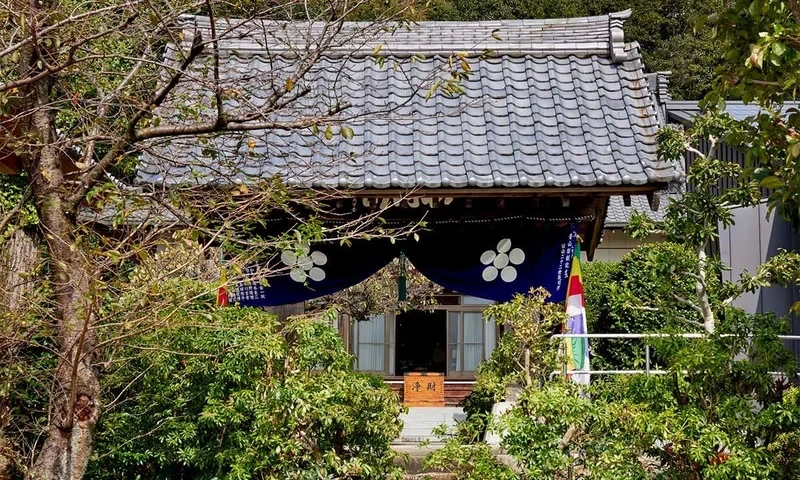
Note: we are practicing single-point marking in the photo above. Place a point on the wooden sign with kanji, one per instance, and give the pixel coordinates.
(423, 390)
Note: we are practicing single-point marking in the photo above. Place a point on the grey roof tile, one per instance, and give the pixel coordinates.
(618, 215)
(685, 111)
(556, 107)
(558, 36)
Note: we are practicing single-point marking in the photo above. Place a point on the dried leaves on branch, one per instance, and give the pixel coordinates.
(379, 294)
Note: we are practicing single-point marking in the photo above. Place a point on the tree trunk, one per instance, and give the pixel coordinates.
(74, 405)
(527, 366)
(75, 400)
(18, 260)
(702, 292)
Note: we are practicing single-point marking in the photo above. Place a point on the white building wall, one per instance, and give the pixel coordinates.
(617, 243)
(751, 241)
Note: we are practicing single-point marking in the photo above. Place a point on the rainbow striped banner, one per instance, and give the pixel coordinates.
(576, 349)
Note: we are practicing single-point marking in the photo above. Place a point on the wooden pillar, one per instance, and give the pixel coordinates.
(289, 310)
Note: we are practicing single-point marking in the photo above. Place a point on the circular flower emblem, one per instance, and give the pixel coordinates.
(502, 261)
(304, 264)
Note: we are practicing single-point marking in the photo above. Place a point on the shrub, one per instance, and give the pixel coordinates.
(597, 279)
(615, 297)
(718, 414)
(469, 462)
(232, 394)
(523, 356)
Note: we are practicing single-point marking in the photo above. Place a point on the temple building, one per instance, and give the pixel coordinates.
(545, 127)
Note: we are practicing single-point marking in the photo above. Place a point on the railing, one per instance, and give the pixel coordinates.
(647, 370)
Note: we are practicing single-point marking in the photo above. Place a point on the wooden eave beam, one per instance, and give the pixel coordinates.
(473, 192)
(601, 206)
(9, 163)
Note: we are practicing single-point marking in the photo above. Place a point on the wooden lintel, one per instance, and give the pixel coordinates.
(9, 164)
(472, 192)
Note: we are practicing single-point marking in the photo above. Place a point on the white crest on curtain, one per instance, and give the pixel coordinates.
(501, 262)
(304, 263)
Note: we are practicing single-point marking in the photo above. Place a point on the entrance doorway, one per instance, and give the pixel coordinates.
(421, 342)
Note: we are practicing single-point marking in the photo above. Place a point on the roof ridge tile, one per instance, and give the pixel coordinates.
(581, 36)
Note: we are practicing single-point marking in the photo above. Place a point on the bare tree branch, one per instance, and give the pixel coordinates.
(70, 61)
(688, 303)
(89, 177)
(69, 20)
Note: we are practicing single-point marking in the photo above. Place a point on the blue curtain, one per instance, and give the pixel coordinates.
(487, 260)
(313, 271)
(496, 261)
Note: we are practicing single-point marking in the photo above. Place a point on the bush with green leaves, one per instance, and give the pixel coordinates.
(25, 361)
(524, 355)
(474, 461)
(557, 429)
(231, 393)
(719, 413)
(632, 296)
(13, 203)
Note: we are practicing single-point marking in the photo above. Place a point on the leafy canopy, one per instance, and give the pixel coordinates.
(233, 394)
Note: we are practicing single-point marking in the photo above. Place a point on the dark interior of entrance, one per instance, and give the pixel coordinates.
(421, 342)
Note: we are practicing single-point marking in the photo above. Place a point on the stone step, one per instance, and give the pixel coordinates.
(419, 423)
(411, 457)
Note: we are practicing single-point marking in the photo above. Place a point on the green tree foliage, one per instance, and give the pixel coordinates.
(558, 429)
(476, 461)
(763, 51)
(694, 220)
(25, 381)
(726, 408)
(16, 209)
(471, 10)
(86, 89)
(380, 293)
(531, 320)
(764, 48)
(232, 394)
(524, 354)
(614, 301)
(718, 414)
(663, 28)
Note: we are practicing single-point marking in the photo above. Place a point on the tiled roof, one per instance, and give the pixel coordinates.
(561, 36)
(559, 103)
(685, 111)
(618, 215)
